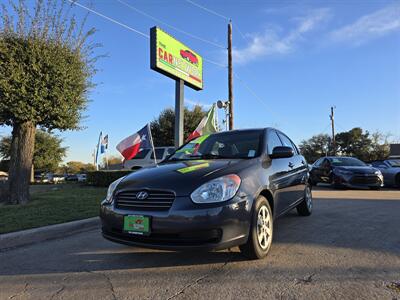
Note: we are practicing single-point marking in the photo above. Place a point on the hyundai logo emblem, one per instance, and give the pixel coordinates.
(142, 195)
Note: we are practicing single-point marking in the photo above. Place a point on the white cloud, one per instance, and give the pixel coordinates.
(379, 23)
(272, 41)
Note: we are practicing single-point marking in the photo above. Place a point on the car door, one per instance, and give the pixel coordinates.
(279, 178)
(315, 171)
(298, 171)
(325, 171)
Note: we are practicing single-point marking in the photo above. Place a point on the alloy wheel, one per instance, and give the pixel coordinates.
(264, 232)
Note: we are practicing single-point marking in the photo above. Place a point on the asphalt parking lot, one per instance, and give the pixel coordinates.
(348, 249)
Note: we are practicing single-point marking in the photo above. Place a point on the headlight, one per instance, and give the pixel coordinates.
(111, 189)
(217, 190)
(379, 173)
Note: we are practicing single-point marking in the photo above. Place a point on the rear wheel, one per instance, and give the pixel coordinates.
(305, 207)
(261, 231)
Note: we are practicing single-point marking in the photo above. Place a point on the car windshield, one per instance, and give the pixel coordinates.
(394, 162)
(347, 161)
(238, 145)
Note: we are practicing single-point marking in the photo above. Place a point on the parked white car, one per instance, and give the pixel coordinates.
(81, 177)
(145, 158)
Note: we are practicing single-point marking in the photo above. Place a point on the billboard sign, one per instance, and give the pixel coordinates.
(174, 59)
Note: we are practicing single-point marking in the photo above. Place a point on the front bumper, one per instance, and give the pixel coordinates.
(359, 181)
(185, 226)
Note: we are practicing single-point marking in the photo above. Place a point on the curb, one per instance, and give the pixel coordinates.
(40, 234)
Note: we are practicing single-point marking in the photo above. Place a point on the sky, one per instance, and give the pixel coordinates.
(292, 61)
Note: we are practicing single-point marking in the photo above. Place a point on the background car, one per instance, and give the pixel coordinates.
(145, 158)
(342, 171)
(81, 177)
(215, 192)
(390, 169)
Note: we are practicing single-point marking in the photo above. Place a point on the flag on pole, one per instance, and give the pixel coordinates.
(206, 126)
(104, 144)
(133, 144)
(97, 151)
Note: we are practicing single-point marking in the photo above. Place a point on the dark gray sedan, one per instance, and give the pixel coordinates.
(216, 192)
(390, 169)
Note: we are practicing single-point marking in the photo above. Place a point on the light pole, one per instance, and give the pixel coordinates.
(226, 106)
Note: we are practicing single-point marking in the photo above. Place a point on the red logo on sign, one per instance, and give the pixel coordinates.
(189, 56)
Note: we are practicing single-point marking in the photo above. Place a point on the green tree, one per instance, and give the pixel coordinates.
(354, 142)
(75, 167)
(46, 66)
(316, 147)
(48, 153)
(162, 128)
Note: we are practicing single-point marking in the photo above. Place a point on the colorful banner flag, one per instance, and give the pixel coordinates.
(206, 126)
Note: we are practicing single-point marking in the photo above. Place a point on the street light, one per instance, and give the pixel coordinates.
(225, 105)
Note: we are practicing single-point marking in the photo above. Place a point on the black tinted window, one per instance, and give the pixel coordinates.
(159, 154)
(272, 141)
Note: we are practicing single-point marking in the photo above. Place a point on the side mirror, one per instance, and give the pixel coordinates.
(282, 152)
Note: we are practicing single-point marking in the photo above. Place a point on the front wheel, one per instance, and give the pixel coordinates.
(261, 231)
(305, 206)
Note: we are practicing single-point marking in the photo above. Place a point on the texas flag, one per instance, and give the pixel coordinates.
(133, 144)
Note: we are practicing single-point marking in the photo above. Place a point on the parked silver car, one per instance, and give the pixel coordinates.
(145, 158)
(390, 169)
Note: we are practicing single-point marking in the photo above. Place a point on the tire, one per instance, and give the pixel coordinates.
(261, 226)
(305, 206)
(375, 188)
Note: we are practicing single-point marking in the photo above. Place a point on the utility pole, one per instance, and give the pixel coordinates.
(230, 76)
(332, 117)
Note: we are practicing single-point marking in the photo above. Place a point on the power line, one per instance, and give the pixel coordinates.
(215, 63)
(132, 29)
(110, 19)
(169, 25)
(208, 10)
(254, 93)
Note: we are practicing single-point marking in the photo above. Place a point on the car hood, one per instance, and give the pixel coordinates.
(182, 177)
(358, 170)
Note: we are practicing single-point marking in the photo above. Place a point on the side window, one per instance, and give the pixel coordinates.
(318, 162)
(272, 141)
(287, 142)
(326, 164)
(159, 153)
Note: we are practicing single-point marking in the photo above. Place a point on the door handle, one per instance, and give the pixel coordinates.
(291, 165)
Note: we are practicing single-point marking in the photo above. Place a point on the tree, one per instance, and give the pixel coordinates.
(48, 153)
(75, 167)
(355, 142)
(162, 128)
(46, 66)
(316, 147)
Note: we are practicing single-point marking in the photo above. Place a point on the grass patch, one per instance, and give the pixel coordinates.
(52, 204)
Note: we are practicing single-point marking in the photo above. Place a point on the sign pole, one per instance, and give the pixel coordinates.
(179, 112)
(230, 76)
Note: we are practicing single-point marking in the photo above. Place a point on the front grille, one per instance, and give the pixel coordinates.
(369, 179)
(156, 200)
